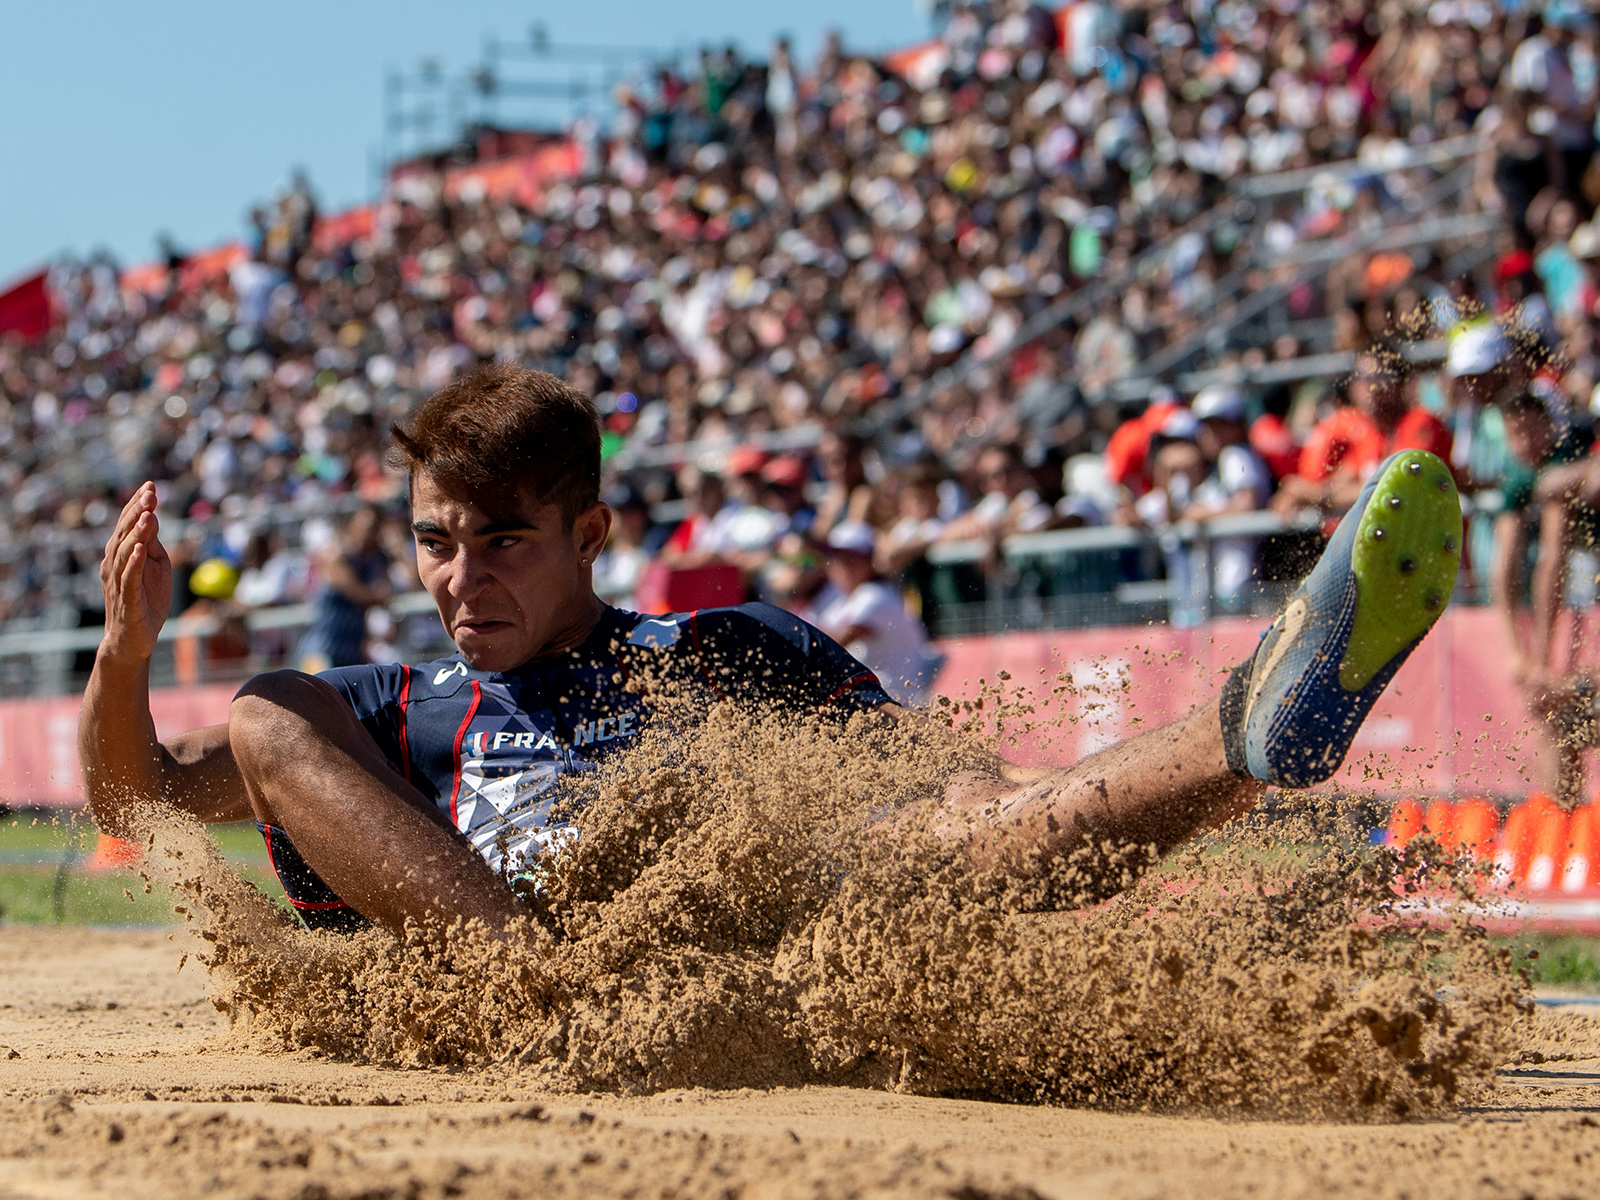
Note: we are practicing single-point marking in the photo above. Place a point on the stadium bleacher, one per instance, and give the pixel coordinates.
(966, 267)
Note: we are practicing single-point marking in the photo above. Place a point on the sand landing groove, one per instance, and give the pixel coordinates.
(115, 1080)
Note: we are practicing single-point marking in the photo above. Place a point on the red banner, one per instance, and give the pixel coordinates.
(25, 307)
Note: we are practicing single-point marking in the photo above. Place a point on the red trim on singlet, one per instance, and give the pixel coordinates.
(472, 711)
(694, 628)
(405, 745)
(848, 684)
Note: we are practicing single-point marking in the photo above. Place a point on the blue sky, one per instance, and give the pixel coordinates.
(121, 120)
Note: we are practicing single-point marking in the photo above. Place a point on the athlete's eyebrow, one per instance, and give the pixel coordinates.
(494, 527)
(489, 530)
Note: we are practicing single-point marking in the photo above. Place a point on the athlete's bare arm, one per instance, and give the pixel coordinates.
(123, 762)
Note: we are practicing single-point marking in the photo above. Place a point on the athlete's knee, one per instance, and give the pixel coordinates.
(275, 712)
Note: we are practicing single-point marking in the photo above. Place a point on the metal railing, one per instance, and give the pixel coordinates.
(1057, 579)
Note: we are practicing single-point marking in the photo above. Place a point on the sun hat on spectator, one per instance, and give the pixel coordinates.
(1221, 401)
(852, 537)
(1475, 349)
(785, 471)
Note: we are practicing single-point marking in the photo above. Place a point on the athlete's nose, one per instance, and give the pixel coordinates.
(467, 573)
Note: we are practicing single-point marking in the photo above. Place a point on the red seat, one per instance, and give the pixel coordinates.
(664, 589)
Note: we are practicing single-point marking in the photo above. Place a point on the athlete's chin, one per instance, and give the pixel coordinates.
(490, 646)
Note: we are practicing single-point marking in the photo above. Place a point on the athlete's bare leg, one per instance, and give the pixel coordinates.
(1567, 724)
(1159, 788)
(310, 768)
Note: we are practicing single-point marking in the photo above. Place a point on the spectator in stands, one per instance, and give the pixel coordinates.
(223, 653)
(1010, 502)
(619, 568)
(918, 525)
(1237, 481)
(1379, 418)
(783, 481)
(868, 617)
(1177, 471)
(1127, 451)
(353, 573)
(846, 494)
(1551, 494)
(797, 577)
(1542, 68)
(271, 572)
(1270, 436)
(702, 536)
(1480, 367)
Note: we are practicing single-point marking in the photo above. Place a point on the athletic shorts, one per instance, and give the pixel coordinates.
(317, 904)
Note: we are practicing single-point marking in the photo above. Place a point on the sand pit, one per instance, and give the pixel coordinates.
(116, 1078)
(739, 980)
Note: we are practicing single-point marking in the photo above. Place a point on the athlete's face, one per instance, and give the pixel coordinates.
(510, 586)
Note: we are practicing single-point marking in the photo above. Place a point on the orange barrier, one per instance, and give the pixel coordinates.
(1548, 839)
(1439, 823)
(1514, 847)
(113, 852)
(1477, 821)
(1582, 867)
(1406, 820)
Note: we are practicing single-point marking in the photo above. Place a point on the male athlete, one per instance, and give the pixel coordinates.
(394, 793)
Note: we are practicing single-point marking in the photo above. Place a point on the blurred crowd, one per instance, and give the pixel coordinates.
(764, 246)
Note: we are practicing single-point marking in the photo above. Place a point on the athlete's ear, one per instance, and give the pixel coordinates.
(589, 532)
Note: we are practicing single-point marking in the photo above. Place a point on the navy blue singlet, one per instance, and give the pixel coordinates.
(487, 747)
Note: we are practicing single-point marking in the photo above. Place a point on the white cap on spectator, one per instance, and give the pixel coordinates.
(1180, 426)
(1476, 349)
(1219, 400)
(853, 537)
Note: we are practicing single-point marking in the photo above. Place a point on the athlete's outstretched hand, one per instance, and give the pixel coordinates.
(137, 577)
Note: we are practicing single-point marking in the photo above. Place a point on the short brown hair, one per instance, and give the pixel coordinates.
(499, 433)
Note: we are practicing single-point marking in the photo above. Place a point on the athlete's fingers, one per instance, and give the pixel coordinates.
(142, 501)
(135, 537)
(132, 581)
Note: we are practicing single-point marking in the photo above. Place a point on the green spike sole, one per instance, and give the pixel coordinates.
(1406, 556)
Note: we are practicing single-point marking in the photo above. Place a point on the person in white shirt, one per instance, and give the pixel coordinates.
(1239, 482)
(1010, 504)
(869, 617)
